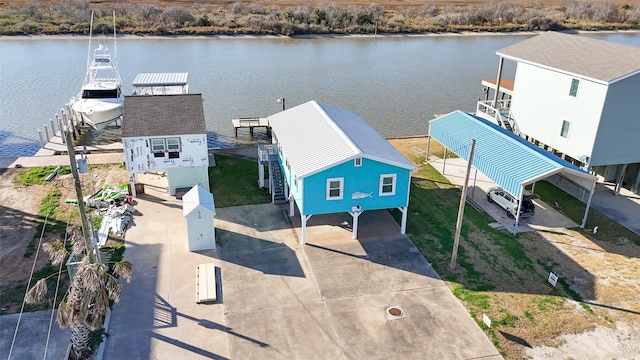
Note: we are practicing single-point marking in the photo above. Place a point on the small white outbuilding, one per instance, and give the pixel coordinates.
(199, 209)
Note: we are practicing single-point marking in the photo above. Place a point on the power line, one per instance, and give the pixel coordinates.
(55, 296)
(44, 226)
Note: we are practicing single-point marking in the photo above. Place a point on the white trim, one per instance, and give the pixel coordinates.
(172, 139)
(381, 191)
(357, 162)
(164, 145)
(341, 188)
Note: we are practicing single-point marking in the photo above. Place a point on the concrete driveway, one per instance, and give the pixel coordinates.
(546, 217)
(277, 299)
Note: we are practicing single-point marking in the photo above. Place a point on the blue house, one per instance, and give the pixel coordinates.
(333, 161)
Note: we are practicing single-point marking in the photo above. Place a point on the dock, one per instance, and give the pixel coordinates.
(250, 123)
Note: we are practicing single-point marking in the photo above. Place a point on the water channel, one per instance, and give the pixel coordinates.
(397, 84)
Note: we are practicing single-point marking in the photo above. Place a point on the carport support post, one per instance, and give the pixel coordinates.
(456, 239)
(586, 211)
(515, 227)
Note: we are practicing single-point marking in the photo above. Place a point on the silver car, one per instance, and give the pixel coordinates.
(510, 204)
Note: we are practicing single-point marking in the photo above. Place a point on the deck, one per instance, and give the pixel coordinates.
(250, 123)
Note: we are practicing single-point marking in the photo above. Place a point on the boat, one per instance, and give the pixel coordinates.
(100, 100)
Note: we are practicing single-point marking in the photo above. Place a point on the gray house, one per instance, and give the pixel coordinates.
(576, 97)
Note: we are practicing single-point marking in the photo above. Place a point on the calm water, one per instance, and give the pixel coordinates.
(396, 84)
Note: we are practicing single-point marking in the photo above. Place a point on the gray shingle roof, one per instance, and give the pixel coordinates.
(316, 136)
(595, 59)
(160, 115)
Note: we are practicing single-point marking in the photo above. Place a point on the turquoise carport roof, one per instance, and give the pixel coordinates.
(508, 160)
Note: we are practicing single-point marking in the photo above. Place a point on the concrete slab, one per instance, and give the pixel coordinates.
(429, 328)
(546, 217)
(279, 299)
(31, 339)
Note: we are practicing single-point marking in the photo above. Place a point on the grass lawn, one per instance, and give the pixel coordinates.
(234, 182)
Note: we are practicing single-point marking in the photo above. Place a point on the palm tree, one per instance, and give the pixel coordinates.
(87, 301)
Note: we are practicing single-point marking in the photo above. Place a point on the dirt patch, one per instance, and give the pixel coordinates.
(19, 214)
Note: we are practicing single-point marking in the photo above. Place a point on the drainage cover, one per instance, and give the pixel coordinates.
(394, 312)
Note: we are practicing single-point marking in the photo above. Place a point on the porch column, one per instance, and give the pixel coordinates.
(291, 209)
(403, 223)
(355, 213)
(260, 174)
(498, 79)
(304, 219)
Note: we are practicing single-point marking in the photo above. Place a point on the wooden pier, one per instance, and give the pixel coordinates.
(250, 123)
(52, 142)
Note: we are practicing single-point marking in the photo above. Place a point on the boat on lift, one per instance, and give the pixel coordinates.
(100, 100)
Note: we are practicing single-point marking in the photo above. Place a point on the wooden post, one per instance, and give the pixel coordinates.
(456, 239)
(86, 230)
(498, 79)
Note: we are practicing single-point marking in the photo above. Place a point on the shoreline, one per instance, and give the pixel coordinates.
(307, 36)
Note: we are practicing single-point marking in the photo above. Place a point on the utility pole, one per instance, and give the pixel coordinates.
(86, 230)
(463, 200)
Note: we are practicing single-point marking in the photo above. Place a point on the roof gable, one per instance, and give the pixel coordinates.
(197, 197)
(505, 158)
(317, 136)
(163, 115)
(598, 60)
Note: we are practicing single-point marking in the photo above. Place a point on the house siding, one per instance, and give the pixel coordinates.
(619, 130)
(364, 179)
(541, 102)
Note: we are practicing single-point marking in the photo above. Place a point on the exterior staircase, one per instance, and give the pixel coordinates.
(277, 182)
(268, 156)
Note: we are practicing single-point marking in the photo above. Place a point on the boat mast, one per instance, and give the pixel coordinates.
(87, 74)
(115, 44)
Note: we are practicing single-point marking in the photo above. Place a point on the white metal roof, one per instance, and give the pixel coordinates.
(317, 136)
(505, 158)
(160, 79)
(598, 60)
(197, 197)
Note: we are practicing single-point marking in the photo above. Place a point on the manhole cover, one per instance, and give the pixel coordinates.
(394, 312)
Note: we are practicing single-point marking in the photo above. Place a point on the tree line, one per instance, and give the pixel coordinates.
(72, 17)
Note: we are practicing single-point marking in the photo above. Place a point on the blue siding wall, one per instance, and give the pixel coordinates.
(364, 179)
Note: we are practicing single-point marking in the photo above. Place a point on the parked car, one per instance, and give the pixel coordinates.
(510, 204)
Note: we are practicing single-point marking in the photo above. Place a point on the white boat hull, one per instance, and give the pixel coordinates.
(99, 113)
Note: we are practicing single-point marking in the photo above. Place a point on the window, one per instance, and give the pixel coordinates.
(173, 144)
(357, 162)
(157, 145)
(564, 132)
(335, 188)
(574, 87)
(387, 184)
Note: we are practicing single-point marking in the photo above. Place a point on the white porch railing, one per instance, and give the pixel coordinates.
(499, 115)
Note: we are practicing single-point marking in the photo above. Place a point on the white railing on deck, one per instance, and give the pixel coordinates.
(500, 114)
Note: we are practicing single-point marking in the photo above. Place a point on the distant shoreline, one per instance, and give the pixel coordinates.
(308, 36)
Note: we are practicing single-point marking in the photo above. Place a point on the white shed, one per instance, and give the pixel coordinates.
(198, 209)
